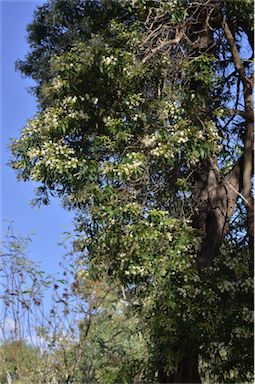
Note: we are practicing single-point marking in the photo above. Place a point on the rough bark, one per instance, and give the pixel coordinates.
(215, 199)
(215, 196)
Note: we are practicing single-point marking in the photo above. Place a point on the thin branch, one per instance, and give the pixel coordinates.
(163, 44)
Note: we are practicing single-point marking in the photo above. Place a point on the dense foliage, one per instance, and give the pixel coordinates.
(141, 130)
(64, 329)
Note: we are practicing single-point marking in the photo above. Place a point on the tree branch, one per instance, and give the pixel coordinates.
(235, 54)
(163, 44)
(247, 115)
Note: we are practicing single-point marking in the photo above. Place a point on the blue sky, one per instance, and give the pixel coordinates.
(17, 105)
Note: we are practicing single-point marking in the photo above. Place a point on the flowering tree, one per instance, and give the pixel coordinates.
(145, 129)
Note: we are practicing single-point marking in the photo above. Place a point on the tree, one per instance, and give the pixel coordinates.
(145, 128)
(114, 349)
(88, 334)
(21, 292)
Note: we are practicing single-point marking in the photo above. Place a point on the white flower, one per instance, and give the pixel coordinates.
(149, 140)
(94, 100)
(200, 135)
(169, 236)
(109, 60)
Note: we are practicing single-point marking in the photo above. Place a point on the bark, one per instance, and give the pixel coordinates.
(249, 136)
(215, 196)
(215, 199)
(186, 371)
(248, 169)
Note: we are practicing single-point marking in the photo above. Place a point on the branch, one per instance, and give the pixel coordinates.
(249, 137)
(247, 115)
(232, 175)
(176, 40)
(235, 54)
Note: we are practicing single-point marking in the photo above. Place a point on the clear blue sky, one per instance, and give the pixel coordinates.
(17, 105)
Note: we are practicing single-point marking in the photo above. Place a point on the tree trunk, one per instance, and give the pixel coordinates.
(214, 200)
(248, 113)
(186, 372)
(248, 167)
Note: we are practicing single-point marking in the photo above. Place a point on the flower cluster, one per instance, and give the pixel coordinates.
(131, 167)
(150, 140)
(170, 111)
(57, 83)
(165, 143)
(109, 60)
(54, 156)
(137, 270)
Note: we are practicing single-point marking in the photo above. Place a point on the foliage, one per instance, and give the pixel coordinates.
(122, 139)
(87, 334)
(18, 362)
(115, 349)
(219, 314)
